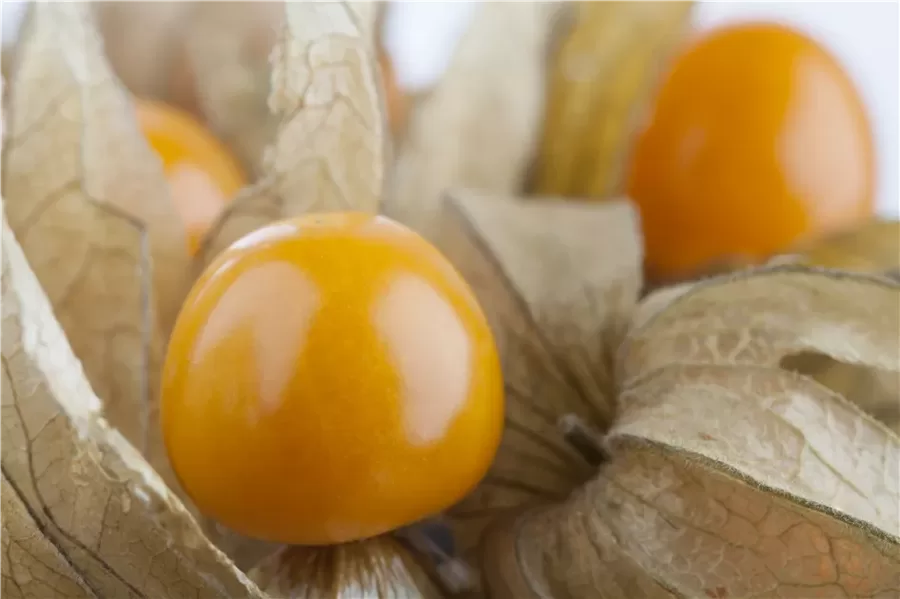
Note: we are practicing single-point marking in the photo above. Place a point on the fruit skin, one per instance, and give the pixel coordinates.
(330, 378)
(757, 141)
(201, 171)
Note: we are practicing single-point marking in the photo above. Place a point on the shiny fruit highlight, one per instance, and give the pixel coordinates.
(202, 174)
(758, 140)
(330, 378)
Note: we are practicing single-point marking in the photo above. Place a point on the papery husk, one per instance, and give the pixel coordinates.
(3, 128)
(144, 43)
(601, 85)
(87, 200)
(17, 13)
(83, 514)
(728, 476)
(329, 147)
(663, 452)
(224, 74)
(872, 247)
(479, 125)
(723, 475)
(327, 154)
(557, 282)
(718, 349)
(380, 568)
(873, 389)
(210, 59)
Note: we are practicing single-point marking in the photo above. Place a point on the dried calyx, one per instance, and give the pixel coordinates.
(725, 471)
(668, 446)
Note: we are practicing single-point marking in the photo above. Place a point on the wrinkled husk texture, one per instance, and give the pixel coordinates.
(730, 437)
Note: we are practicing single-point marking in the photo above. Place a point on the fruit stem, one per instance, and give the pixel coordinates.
(586, 440)
(433, 539)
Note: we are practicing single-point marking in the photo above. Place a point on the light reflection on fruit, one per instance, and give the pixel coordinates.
(758, 140)
(330, 378)
(202, 174)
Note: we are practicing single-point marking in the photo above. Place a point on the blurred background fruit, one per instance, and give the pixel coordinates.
(863, 37)
(335, 363)
(758, 140)
(202, 173)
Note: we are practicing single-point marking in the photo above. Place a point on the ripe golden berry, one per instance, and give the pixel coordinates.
(202, 174)
(330, 378)
(757, 141)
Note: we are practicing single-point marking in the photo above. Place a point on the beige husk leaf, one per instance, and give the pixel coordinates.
(224, 73)
(224, 70)
(723, 475)
(91, 524)
(479, 125)
(602, 84)
(83, 514)
(87, 199)
(380, 568)
(661, 448)
(557, 281)
(144, 42)
(329, 146)
(873, 247)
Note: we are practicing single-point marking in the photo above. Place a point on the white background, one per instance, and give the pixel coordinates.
(862, 35)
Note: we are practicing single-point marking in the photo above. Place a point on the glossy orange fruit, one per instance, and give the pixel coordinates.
(758, 140)
(330, 378)
(202, 173)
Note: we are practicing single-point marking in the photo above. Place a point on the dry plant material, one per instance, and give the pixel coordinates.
(600, 86)
(328, 152)
(380, 567)
(873, 247)
(88, 202)
(478, 127)
(223, 72)
(143, 42)
(83, 514)
(723, 474)
(656, 447)
(211, 59)
(3, 129)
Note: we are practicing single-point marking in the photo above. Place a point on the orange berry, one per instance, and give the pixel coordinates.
(330, 378)
(758, 140)
(202, 174)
